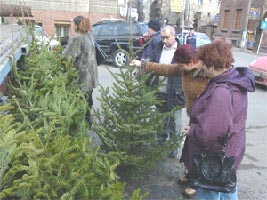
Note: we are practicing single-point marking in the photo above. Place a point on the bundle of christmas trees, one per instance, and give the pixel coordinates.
(45, 152)
(45, 149)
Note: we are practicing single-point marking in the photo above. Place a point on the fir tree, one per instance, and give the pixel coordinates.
(45, 150)
(130, 124)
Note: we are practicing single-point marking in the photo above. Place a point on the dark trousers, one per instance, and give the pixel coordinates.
(89, 97)
(172, 124)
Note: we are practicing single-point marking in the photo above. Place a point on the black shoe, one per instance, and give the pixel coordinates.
(89, 120)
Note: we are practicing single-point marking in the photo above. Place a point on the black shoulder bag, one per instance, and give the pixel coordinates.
(214, 170)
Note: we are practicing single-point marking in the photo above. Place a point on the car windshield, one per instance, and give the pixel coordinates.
(201, 35)
(144, 26)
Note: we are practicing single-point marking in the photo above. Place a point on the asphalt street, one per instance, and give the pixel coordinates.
(161, 183)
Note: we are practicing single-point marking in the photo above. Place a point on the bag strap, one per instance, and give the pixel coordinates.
(228, 136)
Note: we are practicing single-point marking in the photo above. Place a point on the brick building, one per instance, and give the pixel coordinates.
(238, 16)
(56, 17)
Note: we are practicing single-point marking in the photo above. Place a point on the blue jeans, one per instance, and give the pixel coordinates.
(203, 194)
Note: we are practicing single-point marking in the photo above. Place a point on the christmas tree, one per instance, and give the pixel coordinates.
(45, 151)
(129, 122)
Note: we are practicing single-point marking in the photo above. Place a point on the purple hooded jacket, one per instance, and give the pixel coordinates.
(220, 111)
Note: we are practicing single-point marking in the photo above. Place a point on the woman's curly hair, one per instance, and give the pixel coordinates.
(185, 53)
(85, 25)
(217, 54)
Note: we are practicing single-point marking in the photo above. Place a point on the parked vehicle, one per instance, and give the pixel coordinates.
(202, 38)
(113, 37)
(42, 38)
(259, 68)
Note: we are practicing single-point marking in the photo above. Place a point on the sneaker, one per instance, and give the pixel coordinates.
(189, 192)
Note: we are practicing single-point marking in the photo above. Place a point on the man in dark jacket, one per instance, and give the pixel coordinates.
(170, 90)
(191, 38)
(154, 39)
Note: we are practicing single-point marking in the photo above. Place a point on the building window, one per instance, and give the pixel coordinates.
(62, 29)
(217, 17)
(219, 3)
(39, 23)
(237, 19)
(226, 18)
(200, 2)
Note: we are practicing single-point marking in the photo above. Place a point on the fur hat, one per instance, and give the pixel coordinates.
(154, 24)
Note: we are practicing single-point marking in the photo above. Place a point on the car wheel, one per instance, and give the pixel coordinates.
(120, 58)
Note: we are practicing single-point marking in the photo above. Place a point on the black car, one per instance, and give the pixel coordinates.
(113, 37)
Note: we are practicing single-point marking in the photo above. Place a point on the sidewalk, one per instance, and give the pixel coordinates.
(243, 57)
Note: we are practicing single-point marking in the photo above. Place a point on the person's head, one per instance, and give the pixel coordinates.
(85, 26)
(216, 56)
(185, 54)
(77, 20)
(191, 31)
(168, 35)
(82, 24)
(153, 26)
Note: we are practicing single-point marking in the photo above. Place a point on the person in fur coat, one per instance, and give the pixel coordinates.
(81, 50)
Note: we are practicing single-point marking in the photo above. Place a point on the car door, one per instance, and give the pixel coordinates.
(105, 34)
(125, 36)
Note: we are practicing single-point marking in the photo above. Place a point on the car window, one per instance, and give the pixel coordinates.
(201, 35)
(106, 30)
(95, 30)
(125, 29)
(144, 27)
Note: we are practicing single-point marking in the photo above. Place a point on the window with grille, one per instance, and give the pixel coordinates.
(219, 3)
(226, 18)
(208, 16)
(62, 29)
(238, 19)
(200, 2)
(217, 17)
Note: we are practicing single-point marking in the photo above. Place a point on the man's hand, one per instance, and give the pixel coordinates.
(146, 36)
(136, 63)
(186, 130)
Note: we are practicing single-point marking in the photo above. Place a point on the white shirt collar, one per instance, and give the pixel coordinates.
(173, 47)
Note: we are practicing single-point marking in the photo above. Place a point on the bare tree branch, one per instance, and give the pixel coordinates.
(7, 10)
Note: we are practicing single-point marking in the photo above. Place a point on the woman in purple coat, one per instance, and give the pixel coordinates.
(220, 110)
